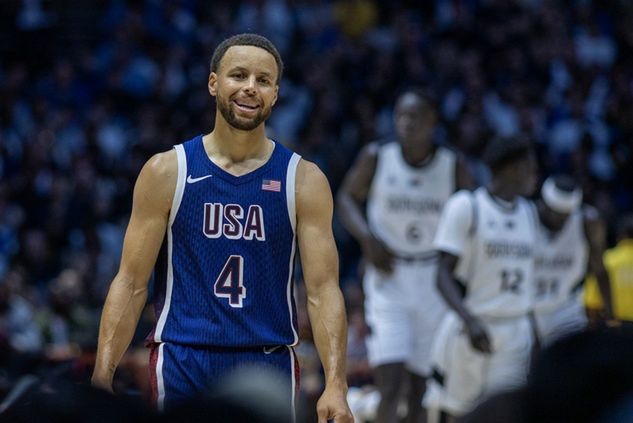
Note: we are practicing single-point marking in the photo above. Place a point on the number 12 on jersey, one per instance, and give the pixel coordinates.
(230, 282)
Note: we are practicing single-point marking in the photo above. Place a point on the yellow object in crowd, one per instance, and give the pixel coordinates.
(619, 263)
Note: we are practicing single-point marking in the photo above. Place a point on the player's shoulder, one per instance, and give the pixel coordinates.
(367, 158)
(372, 148)
(447, 149)
(309, 175)
(156, 183)
(461, 202)
(312, 188)
(463, 195)
(162, 165)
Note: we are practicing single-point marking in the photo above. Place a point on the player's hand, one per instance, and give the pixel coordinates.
(102, 384)
(478, 335)
(608, 316)
(377, 254)
(332, 406)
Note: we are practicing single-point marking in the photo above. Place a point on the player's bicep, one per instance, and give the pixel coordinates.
(317, 247)
(153, 193)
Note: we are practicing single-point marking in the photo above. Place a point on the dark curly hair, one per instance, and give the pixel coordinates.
(501, 152)
(247, 40)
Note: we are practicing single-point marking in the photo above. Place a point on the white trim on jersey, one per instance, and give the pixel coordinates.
(292, 214)
(180, 183)
(293, 382)
(160, 381)
(290, 188)
(175, 205)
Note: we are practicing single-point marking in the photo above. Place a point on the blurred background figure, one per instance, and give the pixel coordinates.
(619, 264)
(390, 201)
(486, 240)
(584, 377)
(21, 340)
(571, 239)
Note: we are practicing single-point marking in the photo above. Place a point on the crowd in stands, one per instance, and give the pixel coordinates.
(90, 90)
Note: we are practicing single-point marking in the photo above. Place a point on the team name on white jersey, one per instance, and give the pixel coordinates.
(505, 248)
(557, 262)
(405, 204)
(230, 221)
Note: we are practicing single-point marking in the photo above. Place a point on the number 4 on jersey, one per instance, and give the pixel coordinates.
(230, 283)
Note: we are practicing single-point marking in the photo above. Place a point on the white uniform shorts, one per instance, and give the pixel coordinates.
(463, 376)
(403, 310)
(568, 318)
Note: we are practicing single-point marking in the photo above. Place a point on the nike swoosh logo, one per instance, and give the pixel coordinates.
(194, 180)
(268, 350)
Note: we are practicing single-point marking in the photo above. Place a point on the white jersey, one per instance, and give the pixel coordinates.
(495, 246)
(560, 262)
(405, 202)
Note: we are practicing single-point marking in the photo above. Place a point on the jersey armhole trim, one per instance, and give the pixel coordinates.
(291, 177)
(180, 183)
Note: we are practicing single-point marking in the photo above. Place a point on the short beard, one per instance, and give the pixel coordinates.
(229, 116)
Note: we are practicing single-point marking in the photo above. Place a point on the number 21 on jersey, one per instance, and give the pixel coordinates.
(230, 282)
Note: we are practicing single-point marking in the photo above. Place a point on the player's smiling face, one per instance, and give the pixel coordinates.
(245, 86)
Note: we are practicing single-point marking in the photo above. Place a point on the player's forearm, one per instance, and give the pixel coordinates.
(449, 290)
(121, 312)
(605, 289)
(329, 327)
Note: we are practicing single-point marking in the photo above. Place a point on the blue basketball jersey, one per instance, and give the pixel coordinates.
(224, 274)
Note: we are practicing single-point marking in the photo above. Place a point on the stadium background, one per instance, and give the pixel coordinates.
(90, 90)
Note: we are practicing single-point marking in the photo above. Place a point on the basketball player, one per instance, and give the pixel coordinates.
(486, 243)
(571, 239)
(405, 183)
(220, 217)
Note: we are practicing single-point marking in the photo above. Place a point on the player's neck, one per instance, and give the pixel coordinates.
(420, 156)
(502, 192)
(236, 145)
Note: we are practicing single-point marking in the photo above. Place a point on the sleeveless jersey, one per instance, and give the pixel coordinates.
(224, 275)
(560, 262)
(405, 202)
(497, 265)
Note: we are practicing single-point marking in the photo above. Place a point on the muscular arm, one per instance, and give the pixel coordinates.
(326, 308)
(126, 298)
(596, 236)
(449, 287)
(350, 199)
(354, 191)
(451, 291)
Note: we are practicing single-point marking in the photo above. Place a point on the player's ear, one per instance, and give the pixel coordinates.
(213, 84)
(276, 95)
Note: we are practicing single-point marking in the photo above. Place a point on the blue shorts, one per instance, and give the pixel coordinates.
(179, 373)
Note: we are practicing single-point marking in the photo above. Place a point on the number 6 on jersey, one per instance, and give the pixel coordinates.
(230, 283)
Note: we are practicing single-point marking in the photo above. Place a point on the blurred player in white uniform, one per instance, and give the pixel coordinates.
(570, 241)
(486, 242)
(405, 184)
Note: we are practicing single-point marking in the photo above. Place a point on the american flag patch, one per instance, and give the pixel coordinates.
(271, 185)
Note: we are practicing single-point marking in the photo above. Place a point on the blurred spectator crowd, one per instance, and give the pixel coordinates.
(90, 90)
